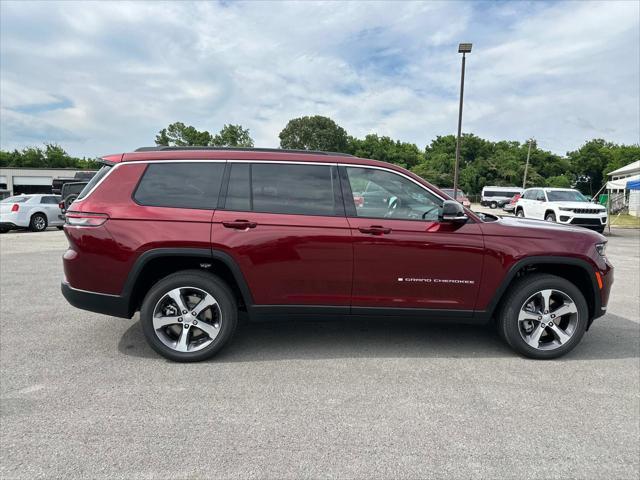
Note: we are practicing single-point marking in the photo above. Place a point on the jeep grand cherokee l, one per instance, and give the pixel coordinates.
(192, 237)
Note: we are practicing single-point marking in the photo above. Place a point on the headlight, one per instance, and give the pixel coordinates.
(601, 248)
(565, 209)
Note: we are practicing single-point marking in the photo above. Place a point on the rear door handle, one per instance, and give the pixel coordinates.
(240, 224)
(375, 230)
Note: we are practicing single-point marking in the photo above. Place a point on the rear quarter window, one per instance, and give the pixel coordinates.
(94, 181)
(180, 185)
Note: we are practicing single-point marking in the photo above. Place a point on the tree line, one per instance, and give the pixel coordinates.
(482, 162)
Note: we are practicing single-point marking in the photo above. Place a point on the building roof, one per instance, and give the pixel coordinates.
(631, 168)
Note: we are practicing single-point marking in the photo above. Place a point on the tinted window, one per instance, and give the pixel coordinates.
(93, 182)
(180, 185)
(49, 200)
(239, 190)
(294, 189)
(393, 196)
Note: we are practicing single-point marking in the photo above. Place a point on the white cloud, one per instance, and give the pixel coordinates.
(100, 77)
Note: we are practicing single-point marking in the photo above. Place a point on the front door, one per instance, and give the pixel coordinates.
(403, 256)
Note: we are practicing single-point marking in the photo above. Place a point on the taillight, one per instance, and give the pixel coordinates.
(78, 219)
(61, 205)
(15, 207)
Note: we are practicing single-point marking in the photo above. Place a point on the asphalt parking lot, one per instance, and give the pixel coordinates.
(82, 395)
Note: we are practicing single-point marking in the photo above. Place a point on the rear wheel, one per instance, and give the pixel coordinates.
(189, 316)
(543, 317)
(493, 205)
(550, 217)
(4, 229)
(38, 223)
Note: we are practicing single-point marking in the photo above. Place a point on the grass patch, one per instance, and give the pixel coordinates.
(625, 220)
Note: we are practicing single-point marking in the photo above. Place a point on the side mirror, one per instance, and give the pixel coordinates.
(452, 212)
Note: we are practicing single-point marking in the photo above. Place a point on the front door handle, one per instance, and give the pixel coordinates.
(375, 230)
(240, 224)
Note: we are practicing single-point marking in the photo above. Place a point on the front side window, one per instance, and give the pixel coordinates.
(180, 185)
(383, 194)
(294, 189)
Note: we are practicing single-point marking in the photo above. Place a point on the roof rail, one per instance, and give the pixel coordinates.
(239, 149)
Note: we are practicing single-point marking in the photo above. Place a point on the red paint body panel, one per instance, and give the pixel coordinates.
(429, 258)
(290, 259)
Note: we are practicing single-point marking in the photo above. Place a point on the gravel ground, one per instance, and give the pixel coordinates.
(82, 396)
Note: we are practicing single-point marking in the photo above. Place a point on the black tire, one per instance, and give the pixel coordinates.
(69, 199)
(520, 292)
(600, 230)
(550, 217)
(493, 205)
(520, 213)
(38, 222)
(210, 284)
(4, 229)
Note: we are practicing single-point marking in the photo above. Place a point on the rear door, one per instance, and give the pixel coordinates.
(49, 204)
(404, 258)
(284, 225)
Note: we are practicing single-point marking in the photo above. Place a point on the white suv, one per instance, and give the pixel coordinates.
(562, 205)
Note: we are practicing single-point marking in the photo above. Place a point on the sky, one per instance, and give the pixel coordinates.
(100, 77)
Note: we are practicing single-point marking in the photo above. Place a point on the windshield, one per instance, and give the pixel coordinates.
(566, 196)
(15, 199)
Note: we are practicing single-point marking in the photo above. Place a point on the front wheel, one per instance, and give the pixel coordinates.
(544, 316)
(38, 223)
(520, 213)
(550, 217)
(493, 205)
(189, 316)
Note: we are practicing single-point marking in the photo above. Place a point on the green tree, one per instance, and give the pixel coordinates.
(233, 136)
(314, 133)
(387, 150)
(51, 156)
(179, 135)
(589, 162)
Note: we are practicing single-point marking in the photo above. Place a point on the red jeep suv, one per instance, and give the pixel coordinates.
(192, 237)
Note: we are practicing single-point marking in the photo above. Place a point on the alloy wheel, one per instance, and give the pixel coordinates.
(39, 223)
(187, 319)
(548, 319)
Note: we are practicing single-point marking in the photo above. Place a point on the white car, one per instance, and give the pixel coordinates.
(35, 212)
(561, 205)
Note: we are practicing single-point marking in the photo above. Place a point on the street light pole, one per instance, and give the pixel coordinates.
(463, 48)
(526, 165)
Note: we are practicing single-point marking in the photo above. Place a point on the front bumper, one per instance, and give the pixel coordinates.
(113, 305)
(594, 222)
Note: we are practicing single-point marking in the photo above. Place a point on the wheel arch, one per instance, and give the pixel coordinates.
(550, 210)
(578, 271)
(157, 263)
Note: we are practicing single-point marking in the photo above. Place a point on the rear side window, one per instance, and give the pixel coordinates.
(294, 189)
(94, 181)
(284, 188)
(180, 185)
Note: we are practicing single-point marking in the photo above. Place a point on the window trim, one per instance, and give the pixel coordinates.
(214, 204)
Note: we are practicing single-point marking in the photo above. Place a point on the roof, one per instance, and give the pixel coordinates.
(249, 154)
(631, 168)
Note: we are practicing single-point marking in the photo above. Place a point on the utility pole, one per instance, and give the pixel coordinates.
(526, 165)
(463, 48)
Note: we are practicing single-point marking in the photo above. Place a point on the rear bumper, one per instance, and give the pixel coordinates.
(113, 305)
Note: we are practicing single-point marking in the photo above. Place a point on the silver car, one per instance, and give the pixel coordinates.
(35, 212)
